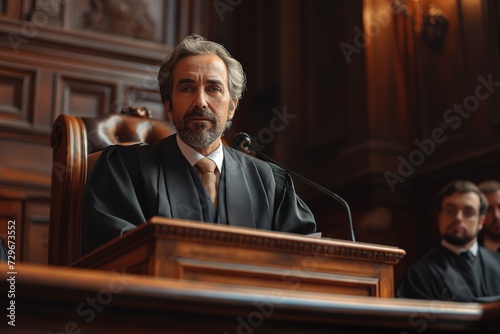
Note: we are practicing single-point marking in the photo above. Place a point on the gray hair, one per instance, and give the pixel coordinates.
(198, 45)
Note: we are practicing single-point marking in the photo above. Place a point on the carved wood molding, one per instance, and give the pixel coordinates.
(125, 17)
(315, 247)
(163, 228)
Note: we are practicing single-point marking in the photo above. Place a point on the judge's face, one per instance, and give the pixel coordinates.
(492, 222)
(201, 107)
(459, 219)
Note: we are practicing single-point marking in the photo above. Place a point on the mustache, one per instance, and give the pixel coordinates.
(197, 112)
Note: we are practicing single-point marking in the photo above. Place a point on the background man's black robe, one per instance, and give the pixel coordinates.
(130, 184)
(443, 275)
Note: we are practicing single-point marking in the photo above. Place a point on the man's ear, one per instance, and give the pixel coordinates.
(482, 218)
(234, 105)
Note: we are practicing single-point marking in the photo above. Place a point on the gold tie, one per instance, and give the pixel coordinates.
(208, 178)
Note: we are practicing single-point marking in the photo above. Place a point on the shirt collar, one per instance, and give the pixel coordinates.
(193, 156)
(457, 250)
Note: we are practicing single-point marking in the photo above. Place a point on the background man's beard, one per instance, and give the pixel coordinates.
(491, 233)
(458, 241)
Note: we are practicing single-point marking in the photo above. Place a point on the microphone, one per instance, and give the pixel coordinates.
(243, 142)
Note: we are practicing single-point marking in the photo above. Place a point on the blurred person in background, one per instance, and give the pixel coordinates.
(490, 234)
(457, 268)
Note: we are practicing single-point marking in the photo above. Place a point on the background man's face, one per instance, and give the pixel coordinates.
(459, 219)
(492, 221)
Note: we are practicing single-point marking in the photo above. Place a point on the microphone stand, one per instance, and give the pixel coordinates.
(243, 142)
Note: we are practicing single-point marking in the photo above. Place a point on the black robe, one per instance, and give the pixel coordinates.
(130, 184)
(443, 275)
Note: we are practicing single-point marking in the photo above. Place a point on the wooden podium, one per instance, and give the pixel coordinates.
(224, 254)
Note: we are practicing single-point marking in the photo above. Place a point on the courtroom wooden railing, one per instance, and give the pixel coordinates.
(51, 299)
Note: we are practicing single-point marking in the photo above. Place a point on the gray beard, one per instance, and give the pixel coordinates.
(201, 137)
(198, 138)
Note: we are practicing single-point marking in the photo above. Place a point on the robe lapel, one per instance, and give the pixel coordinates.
(239, 201)
(180, 196)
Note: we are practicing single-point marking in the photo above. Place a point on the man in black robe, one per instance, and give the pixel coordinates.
(200, 85)
(457, 269)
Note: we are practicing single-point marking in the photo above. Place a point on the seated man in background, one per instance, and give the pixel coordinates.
(490, 234)
(457, 269)
(200, 85)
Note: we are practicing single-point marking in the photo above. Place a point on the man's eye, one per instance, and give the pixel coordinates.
(450, 211)
(470, 213)
(186, 89)
(214, 89)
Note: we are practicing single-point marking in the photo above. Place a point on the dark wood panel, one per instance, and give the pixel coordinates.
(85, 97)
(491, 25)
(17, 96)
(327, 94)
(25, 164)
(258, 276)
(36, 231)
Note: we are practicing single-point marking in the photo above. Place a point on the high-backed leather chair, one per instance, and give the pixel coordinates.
(77, 143)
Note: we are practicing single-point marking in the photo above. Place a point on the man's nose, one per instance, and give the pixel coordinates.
(200, 100)
(459, 215)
